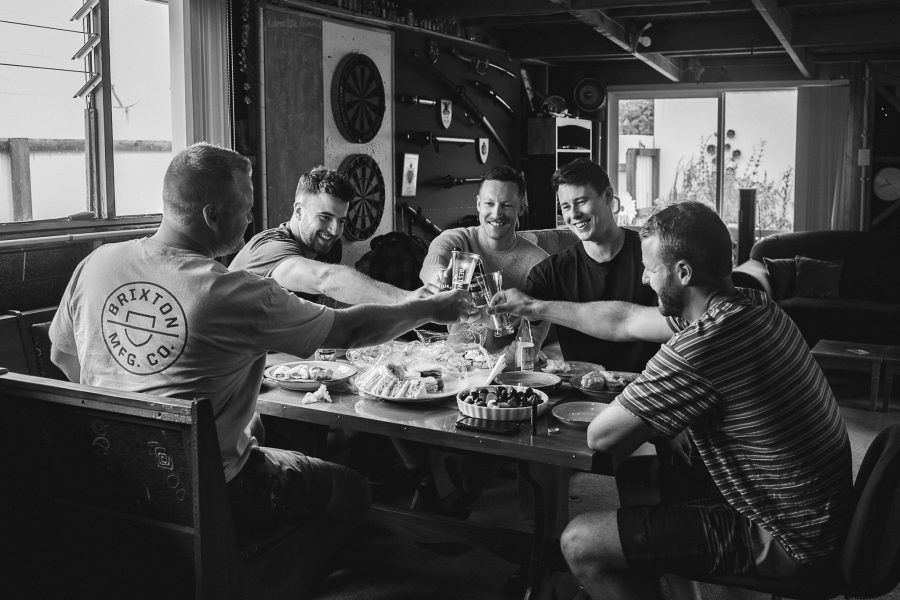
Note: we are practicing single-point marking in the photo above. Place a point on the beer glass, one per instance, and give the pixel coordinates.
(494, 284)
(463, 266)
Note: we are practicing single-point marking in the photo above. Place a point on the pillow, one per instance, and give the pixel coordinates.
(782, 274)
(818, 278)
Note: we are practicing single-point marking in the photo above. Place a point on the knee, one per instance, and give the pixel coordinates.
(585, 547)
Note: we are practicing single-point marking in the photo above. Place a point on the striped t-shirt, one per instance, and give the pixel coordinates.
(743, 383)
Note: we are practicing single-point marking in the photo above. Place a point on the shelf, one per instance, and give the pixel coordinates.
(574, 150)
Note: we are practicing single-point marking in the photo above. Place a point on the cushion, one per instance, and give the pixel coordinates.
(782, 274)
(818, 278)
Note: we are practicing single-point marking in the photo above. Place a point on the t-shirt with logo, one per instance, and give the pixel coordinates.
(143, 316)
(271, 247)
(744, 384)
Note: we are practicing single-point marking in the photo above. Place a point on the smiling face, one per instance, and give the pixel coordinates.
(585, 211)
(320, 220)
(662, 279)
(499, 207)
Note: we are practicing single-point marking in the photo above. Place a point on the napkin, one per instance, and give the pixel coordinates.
(320, 395)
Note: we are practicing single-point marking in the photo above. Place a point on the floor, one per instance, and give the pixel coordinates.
(400, 560)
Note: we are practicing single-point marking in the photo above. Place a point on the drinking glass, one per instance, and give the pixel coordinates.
(494, 284)
(325, 354)
(463, 267)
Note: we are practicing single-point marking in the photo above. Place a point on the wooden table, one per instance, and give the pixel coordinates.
(891, 365)
(435, 423)
(853, 356)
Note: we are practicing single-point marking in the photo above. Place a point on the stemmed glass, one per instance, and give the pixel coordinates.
(493, 283)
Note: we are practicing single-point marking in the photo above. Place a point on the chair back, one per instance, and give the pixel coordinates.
(871, 558)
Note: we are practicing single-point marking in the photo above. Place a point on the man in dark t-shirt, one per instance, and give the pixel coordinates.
(606, 265)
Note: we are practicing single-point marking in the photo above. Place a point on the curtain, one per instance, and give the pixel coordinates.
(824, 150)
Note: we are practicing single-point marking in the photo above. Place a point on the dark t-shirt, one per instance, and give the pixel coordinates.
(268, 249)
(573, 276)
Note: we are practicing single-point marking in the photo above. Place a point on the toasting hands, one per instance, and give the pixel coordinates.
(453, 306)
(512, 301)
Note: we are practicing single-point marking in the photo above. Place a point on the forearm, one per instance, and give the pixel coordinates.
(370, 324)
(609, 320)
(348, 285)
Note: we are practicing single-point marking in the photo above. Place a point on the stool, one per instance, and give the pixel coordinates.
(891, 365)
(853, 356)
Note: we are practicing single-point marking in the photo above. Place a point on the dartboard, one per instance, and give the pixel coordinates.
(367, 206)
(357, 98)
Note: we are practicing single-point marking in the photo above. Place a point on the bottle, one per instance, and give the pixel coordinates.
(525, 347)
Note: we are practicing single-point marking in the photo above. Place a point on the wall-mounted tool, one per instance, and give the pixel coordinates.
(449, 181)
(424, 138)
(445, 107)
(487, 90)
(480, 63)
(462, 99)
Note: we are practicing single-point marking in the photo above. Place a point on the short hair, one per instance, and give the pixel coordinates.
(581, 171)
(197, 176)
(692, 231)
(507, 174)
(324, 181)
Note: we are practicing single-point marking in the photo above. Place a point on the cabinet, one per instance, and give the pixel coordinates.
(552, 142)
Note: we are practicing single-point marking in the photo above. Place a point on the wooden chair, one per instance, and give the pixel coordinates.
(113, 494)
(870, 559)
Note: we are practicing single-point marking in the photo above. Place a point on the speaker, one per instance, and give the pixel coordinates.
(589, 95)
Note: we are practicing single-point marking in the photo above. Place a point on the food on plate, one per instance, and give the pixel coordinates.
(501, 396)
(557, 367)
(594, 380)
(301, 372)
(477, 358)
(393, 381)
(612, 381)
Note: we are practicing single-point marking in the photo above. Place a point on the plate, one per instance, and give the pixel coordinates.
(341, 373)
(546, 382)
(500, 414)
(579, 413)
(576, 369)
(604, 394)
(453, 384)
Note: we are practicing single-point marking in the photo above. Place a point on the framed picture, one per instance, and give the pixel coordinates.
(410, 174)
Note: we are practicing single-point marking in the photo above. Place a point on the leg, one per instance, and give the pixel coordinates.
(876, 383)
(888, 385)
(591, 546)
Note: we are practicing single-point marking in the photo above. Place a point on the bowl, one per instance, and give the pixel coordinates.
(546, 382)
(494, 413)
(578, 414)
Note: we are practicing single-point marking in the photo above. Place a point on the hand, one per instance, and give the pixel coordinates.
(452, 306)
(675, 452)
(512, 301)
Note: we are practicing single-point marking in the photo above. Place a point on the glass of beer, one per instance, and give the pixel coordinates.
(463, 267)
(494, 284)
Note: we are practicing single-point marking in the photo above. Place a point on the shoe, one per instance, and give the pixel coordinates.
(460, 507)
(426, 497)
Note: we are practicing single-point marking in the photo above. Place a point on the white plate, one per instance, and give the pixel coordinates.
(341, 373)
(453, 384)
(493, 413)
(579, 413)
(576, 369)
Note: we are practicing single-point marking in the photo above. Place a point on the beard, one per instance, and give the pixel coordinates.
(671, 304)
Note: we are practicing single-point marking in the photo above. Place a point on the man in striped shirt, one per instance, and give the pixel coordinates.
(737, 378)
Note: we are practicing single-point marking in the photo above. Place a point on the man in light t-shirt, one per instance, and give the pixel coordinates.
(160, 315)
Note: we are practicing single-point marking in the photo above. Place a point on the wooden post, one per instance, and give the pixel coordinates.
(20, 169)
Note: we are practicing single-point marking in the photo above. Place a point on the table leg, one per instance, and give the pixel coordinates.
(876, 384)
(888, 386)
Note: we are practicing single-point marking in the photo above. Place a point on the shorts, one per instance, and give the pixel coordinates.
(695, 535)
(277, 487)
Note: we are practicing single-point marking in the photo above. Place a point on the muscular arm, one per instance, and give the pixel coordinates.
(340, 282)
(67, 363)
(609, 320)
(369, 324)
(617, 431)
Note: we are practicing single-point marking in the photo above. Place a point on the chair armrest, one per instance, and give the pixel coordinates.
(752, 274)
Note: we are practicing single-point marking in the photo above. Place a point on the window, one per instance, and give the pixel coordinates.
(85, 108)
(704, 146)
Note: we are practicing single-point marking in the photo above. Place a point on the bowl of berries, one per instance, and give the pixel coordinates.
(502, 402)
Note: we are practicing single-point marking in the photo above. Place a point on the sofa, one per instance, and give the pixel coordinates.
(840, 285)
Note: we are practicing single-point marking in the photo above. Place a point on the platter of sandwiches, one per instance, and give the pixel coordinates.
(397, 383)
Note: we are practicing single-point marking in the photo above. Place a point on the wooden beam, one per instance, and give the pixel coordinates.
(614, 32)
(20, 170)
(779, 21)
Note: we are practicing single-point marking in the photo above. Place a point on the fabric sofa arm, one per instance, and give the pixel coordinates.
(752, 274)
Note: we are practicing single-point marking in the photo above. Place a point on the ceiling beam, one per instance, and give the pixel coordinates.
(779, 21)
(616, 33)
(478, 9)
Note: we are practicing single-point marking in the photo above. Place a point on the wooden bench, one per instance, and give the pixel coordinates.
(111, 494)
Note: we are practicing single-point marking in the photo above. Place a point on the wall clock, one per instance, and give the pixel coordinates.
(886, 184)
(367, 205)
(357, 98)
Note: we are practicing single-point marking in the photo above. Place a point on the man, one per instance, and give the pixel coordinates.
(160, 315)
(738, 378)
(606, 265)
(500, 202)
(300, 254)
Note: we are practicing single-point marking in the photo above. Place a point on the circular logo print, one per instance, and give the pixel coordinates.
(144, 327)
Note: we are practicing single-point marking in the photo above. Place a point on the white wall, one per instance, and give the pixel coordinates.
(337, 41)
